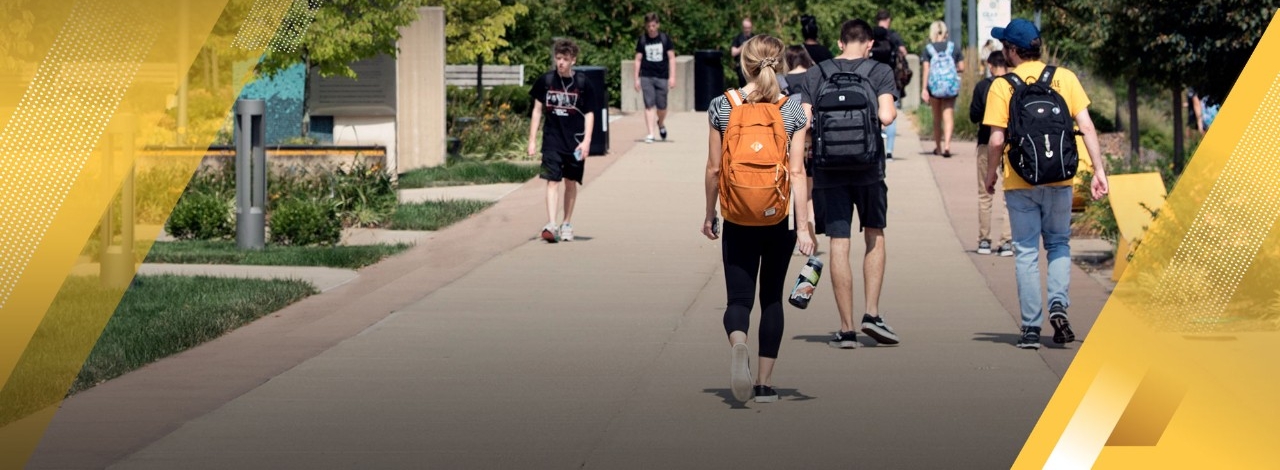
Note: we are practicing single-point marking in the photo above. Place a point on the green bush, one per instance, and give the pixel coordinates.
(364, 194)
(202, 216)
(305, 221)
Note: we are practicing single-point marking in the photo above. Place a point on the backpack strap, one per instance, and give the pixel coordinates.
(864, 68)
(1014, 80)
(951, 47)
(932, 51)
(734, 99)
(1046, 77)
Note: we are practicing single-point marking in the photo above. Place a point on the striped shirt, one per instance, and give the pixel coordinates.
(792, 114)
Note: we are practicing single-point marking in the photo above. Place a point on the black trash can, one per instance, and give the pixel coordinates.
(708, 78)
(600, 133)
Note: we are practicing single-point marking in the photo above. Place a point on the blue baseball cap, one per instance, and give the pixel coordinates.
(1019, 32)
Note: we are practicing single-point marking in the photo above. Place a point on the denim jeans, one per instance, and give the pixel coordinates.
(1042, 211)
(891, 130)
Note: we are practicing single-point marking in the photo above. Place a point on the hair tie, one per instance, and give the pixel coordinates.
(768, 62)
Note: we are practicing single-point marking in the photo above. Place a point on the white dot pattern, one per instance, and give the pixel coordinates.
(60, 118)
(1228, 231)
(259, 29)
(295, 26)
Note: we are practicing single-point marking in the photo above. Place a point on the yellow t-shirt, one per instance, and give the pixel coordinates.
(1065, 83)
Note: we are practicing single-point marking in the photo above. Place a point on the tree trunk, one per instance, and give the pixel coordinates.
(1119, 123)
(1133, 121)
(1178, 131)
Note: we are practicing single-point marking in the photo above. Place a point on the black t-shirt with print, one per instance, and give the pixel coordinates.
(882, 83)
(564, 101)
(654, 61)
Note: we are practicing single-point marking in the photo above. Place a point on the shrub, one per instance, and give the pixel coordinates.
(365, 195)
(202, 216)
(305, 221)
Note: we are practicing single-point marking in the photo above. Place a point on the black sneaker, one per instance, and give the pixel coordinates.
(844, 340)
(1062, 333)
(1030, 338)
(888, 156)
(765, 394)
(662, 132)
(877, 330)
(984, 247)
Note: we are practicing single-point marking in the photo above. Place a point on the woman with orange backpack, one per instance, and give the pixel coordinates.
(752, 172)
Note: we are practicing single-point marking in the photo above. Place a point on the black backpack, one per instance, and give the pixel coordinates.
(846, 119)
(1042, 141)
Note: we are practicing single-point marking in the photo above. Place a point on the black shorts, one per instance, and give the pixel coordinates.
(838, 203)
(558, 166)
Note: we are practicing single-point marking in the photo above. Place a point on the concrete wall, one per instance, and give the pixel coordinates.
(679, 99)
(419, 128)
(372, 130)
(911, 100)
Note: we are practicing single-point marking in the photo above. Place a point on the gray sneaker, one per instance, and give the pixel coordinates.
(984, 247)
(1006, 249)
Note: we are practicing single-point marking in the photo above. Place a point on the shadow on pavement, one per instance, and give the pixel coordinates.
(863, 341)
(784, 394)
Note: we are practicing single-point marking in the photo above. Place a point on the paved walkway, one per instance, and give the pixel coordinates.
(607, 352)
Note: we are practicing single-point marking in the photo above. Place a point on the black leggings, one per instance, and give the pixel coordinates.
(749, 251)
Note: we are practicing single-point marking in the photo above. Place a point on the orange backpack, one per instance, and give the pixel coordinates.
(754, 182)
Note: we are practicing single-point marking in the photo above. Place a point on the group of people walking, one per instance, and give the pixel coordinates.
(802, 144)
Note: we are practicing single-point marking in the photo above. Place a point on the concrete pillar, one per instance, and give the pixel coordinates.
(420, 98)
(911, 97)
(678, 100)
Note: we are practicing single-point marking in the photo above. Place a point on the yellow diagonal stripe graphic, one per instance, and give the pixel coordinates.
(1179, 370)
(109, 109)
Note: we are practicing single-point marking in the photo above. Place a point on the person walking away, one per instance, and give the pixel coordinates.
(566, 138)
(978, 109)
(752, 127)
(942, 64)
(736, 49)
(809, 30)
(897, 60)
(655, 74)
(848, 171)
(799, 62)
(1023, 108)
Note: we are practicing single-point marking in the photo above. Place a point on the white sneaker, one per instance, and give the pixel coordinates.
(740, 373)
(549, 234)
(648, 139)
(566, 233)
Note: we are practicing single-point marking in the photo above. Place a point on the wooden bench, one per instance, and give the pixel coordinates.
(465, 75)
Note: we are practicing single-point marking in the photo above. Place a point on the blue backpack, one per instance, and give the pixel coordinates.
(1207, 112)
(944, 82)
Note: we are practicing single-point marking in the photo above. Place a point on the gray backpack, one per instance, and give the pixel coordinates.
(846, 120)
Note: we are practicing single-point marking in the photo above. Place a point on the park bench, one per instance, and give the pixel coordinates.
(465, 75)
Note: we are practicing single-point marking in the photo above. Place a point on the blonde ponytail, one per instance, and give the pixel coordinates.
(762, 61)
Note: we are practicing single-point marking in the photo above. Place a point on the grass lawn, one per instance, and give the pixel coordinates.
(225, 252)
(434, 215)
(157, 317)
(468, 172)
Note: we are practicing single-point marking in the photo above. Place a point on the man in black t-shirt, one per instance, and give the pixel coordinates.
(566, 138)
(655, 74)
(885, 20)
(736, 51)
(841, 191)
(809, 30)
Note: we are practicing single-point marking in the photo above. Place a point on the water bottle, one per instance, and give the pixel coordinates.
(808, 281)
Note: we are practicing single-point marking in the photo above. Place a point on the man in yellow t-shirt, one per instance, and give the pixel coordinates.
(1044, 210)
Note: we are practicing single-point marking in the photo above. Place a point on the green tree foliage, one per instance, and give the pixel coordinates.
(477, 27)
(342, 32)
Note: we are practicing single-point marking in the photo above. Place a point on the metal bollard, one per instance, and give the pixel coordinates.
(116, 260)
(251, 175)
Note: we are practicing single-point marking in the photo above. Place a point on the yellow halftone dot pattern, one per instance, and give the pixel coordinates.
(261, 24)
(1198, 307)
(58, 122)
(1228, 231)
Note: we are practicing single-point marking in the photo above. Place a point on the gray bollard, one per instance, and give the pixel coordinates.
(116, 260)
(251, 175)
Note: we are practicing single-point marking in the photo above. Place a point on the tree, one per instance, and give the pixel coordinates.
(477, 28)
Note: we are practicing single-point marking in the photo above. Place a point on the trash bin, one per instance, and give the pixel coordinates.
(600, 133)
(708, 78)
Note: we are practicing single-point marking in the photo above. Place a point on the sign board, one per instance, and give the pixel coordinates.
(372, 93)
(992, 14)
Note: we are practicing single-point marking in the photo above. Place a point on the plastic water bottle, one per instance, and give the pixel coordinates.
(808, 281)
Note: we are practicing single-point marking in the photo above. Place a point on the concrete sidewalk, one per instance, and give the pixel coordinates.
(608, 352)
